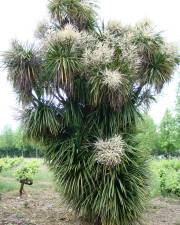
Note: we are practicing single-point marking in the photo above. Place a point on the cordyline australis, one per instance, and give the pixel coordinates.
(82, 88)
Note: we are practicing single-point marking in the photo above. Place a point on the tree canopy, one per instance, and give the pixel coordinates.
(13, 143)
(163, 138)
(177, 117)
(168, 132)
(147, 135)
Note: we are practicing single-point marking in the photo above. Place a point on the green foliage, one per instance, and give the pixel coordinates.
(47, 121)
(1, 165)
(42, 179)
(170, 130)
(8, 186)
(27, 171)
(170, 182)
(166, 174)
(93, 189)
(78, 13)
(159, 140)
(167, 133)
(13, 144)
(172, 125)
(88, 87)
(177, 118)
(147, 135)
(24, 64)
(7, 139)
(9, 163)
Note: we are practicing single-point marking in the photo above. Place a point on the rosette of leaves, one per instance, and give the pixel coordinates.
(92, 84)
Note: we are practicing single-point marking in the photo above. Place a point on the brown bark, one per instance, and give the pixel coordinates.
(23, 182)
(21, 190)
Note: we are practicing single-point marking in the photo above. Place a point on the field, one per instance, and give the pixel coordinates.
(42, 205)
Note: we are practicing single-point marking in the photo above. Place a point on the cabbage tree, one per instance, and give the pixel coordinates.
(82, 87)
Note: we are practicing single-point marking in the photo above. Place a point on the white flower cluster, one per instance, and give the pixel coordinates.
(171, 50)
(145, 28)
(85, 5)
(113, 79)
(69, 32)
(130, 52)
(114, 25)
(110, 151)
(87, 40)
(102, 53)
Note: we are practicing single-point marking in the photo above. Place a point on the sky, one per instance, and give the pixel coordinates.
(18, 19)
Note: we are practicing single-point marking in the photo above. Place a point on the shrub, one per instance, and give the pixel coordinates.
(169, 176)
(26, 173)
(9, 163)
(27, 170)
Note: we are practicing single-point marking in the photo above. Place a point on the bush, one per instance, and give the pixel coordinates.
(25, 174)
(27, 170)
(9, 163)
(168, 174)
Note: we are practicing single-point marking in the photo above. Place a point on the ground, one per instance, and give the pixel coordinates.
(42, 205)
(163, 211)
(47, 208)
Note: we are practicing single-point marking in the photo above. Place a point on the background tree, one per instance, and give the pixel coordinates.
(147, 135)
(167, 133)
(177, 118)
(81, 95)
(12, 143)
(7, 139)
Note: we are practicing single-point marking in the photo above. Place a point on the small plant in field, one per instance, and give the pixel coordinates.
(26, 173)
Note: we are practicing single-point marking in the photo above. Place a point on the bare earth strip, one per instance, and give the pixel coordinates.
(163, 211)
(46, 208)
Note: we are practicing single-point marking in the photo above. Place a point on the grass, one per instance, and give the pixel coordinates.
(8, 186)
(154, 180)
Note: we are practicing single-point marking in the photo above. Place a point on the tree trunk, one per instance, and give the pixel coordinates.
(21, 190)
(97, 221)
(23, 182)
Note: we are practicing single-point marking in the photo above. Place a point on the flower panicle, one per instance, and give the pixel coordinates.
(113, 79)
(68, 33)
(109, 152)
(114, 26)
(102, 53)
